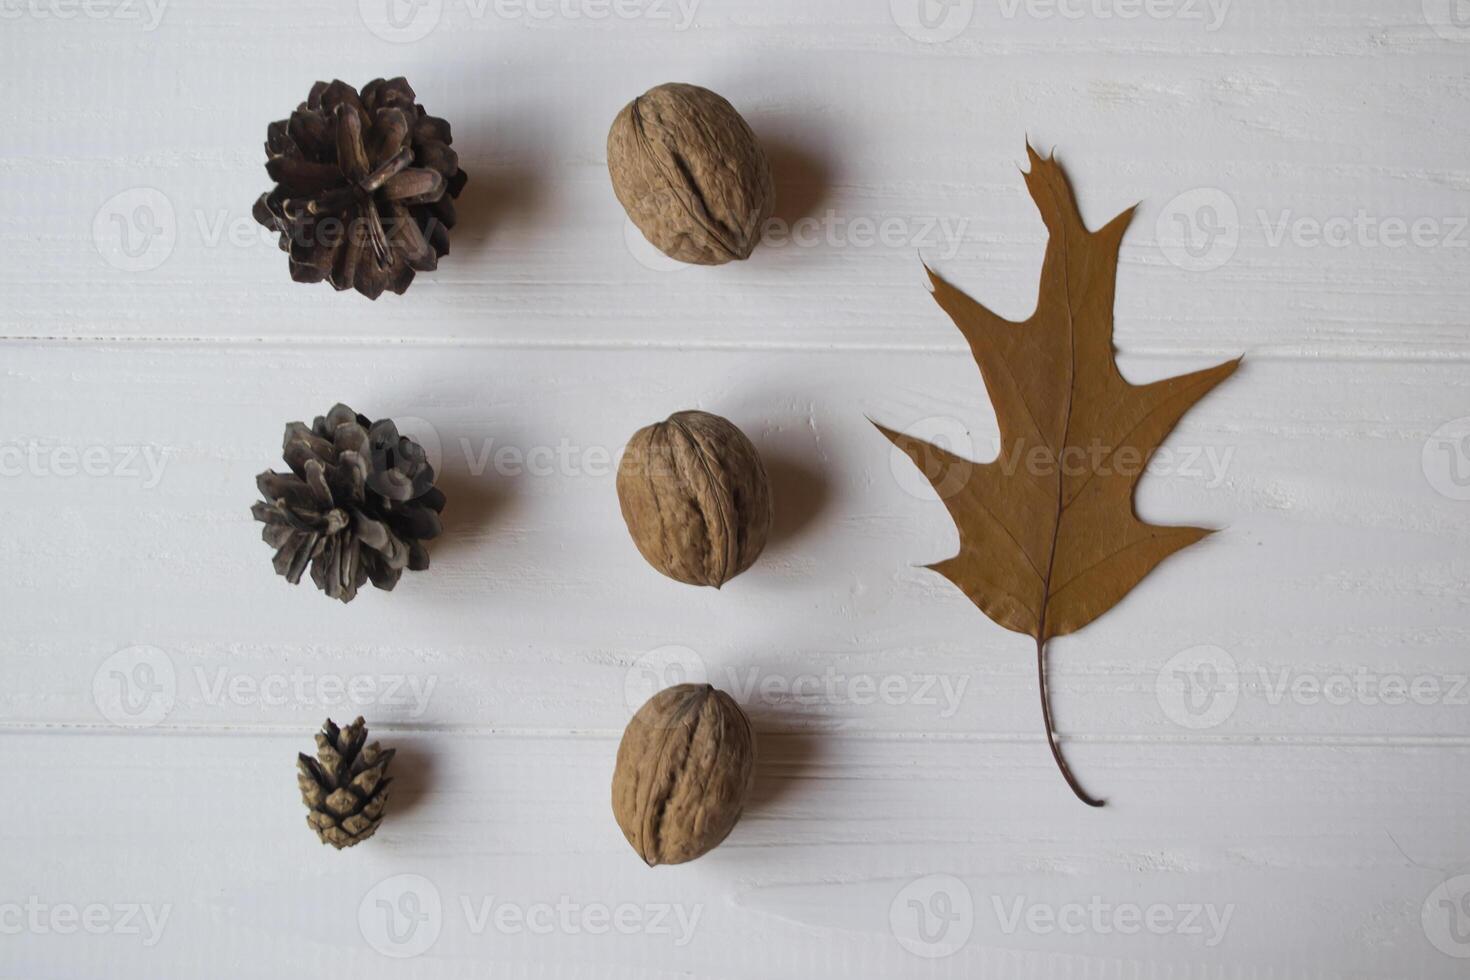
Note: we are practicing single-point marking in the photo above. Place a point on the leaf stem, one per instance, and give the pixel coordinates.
(1051, 740)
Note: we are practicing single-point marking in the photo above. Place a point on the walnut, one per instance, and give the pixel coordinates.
(685, 767)
(695, 497)
(690, 174)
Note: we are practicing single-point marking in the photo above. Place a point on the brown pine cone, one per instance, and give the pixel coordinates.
(345, 788)
(364, 187)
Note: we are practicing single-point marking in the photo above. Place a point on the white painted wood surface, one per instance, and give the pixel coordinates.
(1300, 811)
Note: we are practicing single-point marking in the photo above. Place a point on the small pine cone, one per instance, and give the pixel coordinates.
(365, 187)
(358, 504)
(345, 787)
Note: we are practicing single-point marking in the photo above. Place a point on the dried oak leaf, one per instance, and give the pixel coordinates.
(1048, 537)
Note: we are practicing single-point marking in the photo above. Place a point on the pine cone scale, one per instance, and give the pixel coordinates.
(390, 133)
(352, 156)
(292, 562)
(415, 185)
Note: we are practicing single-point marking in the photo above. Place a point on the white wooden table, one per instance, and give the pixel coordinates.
(1279, 717)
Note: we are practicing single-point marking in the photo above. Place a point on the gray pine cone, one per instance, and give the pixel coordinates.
(345, 787)
(357, 505)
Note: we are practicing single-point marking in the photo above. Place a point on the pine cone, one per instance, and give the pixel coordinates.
(364, 187)
(357, 505)
(345, 786)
